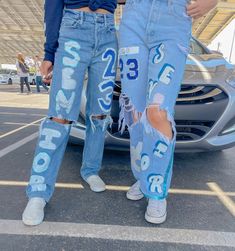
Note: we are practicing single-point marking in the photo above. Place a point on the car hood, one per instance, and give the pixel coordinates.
(207, 63)
(206, 68)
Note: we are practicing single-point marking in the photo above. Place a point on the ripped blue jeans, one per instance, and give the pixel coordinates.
(152, 63)
(87, 43)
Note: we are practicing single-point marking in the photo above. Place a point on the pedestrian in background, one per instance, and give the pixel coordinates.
(39, 81)
(23, 72)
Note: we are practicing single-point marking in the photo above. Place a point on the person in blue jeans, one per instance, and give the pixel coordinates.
(152, 62)
(38, 80)
(80, 38)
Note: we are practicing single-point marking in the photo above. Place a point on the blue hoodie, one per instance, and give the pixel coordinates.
(53, 16)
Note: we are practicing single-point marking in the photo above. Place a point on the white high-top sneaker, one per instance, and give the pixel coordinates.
(34, 212)
(156, 211)
(134, 192)
(96, 183)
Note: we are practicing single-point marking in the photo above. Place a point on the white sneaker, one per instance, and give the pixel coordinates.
(134, 192)
(96, 183)
(156, 211)
(34, 212)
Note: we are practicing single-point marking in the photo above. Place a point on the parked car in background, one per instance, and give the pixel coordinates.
(15, 78)
(32, 78)
(3, 79)
(205, 117)
(9, 78)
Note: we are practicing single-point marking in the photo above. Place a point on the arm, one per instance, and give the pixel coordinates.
(53, 16)
(198, 8)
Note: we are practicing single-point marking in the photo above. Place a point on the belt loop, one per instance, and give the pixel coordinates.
(105, 20)
(81, 16)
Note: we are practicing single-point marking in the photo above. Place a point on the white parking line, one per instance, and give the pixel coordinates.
(116, 188)
(12, 123)
(122, 233)
(18, 144)
(20, 128)
(227, 202)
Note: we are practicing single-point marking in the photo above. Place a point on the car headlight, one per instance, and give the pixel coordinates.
(231, 80)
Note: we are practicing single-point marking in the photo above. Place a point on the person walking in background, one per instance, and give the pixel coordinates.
(154, 44)
(39, 81)
(23, 72)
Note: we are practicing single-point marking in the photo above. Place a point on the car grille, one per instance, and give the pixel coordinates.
(191, 94)
(187, 130)
(192, 130)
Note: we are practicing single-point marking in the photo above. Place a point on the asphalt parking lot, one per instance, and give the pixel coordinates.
(201, 205)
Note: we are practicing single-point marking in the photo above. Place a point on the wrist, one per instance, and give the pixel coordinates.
(49, 57)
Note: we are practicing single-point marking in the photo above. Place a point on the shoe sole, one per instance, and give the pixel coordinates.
(98, 190)
(31, 223)
(155, 220)
(134, 197)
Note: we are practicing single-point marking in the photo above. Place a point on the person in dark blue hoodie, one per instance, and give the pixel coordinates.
(80, 38)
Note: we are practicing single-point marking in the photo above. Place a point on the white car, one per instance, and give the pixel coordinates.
(4, 79)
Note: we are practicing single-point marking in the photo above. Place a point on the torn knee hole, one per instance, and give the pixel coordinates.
(158, 119)
(61, 121)
(129, 116)
(156, 115)
(100, 121)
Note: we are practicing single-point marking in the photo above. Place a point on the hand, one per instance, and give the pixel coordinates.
(46, 71)
(199, 8)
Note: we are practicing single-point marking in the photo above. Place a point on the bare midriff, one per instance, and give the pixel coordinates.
(87, 9)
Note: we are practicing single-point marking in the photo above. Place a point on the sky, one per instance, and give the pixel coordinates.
(224, 42)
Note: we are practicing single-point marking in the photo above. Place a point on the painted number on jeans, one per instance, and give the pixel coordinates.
(121, 65)
(110, 56)
(108, 84)
(105, 103)
(133, 68)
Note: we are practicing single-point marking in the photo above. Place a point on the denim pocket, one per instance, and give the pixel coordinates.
(111, 28)
(179, 11)
(69, 22)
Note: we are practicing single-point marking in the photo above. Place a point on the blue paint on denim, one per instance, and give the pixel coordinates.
(87, 42)
(157, 44)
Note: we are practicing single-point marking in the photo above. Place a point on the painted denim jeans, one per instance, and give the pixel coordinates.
(152, 63)
(87, 43)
